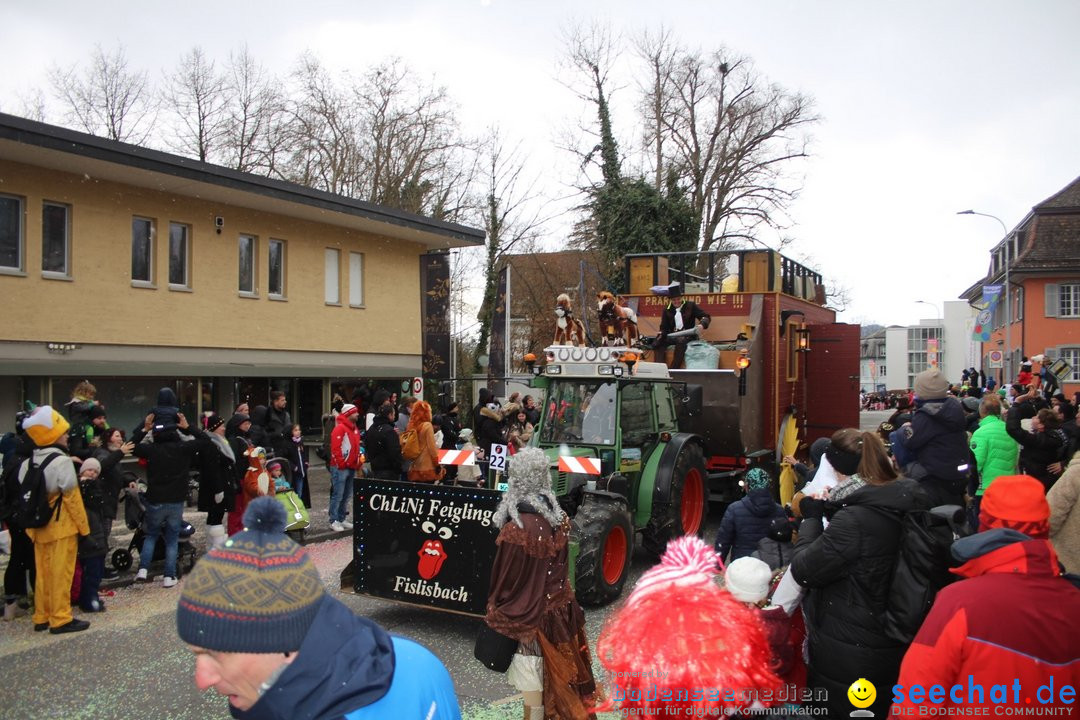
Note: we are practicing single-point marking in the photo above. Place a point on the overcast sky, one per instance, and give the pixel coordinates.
(927, 107)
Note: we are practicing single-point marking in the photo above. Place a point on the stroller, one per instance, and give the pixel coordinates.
(134, 517)
(297, 517)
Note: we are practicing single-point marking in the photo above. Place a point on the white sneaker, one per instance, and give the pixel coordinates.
(168, 581)
(347, 525)
(141, 576)
(337, 527)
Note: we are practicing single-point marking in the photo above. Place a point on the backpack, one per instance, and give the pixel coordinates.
(410, 444)
(922, 567)
(32, 508)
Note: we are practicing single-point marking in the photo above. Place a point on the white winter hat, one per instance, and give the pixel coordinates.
(747, 579)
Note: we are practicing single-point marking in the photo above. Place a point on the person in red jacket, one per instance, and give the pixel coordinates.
(1010, 623)
(345, 460)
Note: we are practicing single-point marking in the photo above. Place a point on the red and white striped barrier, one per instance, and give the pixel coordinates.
(587, 465)
(457, 457)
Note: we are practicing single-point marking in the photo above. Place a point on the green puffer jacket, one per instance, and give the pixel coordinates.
(995, 452)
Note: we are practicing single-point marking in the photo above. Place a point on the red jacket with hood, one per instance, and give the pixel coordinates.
(1013, 619)
(345, 444)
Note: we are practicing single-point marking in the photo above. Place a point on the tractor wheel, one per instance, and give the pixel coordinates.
(684, 511)
(605, 545)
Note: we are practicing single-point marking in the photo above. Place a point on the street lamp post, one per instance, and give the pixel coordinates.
(933, 305)
(1008, 293)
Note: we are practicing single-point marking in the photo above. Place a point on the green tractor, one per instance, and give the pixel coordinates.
(619, 463)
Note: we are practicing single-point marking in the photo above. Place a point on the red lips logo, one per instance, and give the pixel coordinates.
(432, 557)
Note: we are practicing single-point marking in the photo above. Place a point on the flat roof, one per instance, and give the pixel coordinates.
(43, 145)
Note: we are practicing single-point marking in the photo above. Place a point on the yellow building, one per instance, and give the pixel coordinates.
(138, 269)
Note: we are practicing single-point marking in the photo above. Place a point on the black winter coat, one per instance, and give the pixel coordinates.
(1037, 450)
(382, 447)
(774, 553)
(745, 522)
(490, 430)
(451, 428)
(279, 429)
(847, 569)
(111, 479)
(93, 497)
(938, 442)
(216, 472)
(168, 466)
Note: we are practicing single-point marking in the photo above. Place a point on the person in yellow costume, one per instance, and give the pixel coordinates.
(55, 543)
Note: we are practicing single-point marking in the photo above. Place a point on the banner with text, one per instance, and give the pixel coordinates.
(424, 544)
(985, 319)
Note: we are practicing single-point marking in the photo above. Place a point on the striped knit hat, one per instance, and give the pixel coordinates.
(687, 561)
(257, 594)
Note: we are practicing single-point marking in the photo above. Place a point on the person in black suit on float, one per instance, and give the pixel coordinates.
(678, 315)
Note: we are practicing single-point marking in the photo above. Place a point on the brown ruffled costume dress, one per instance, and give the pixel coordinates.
(531, 600)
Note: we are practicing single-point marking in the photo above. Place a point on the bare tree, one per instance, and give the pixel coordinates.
(732, 138)
(256, 136)
(409, 141)
(657, 51)
(589, 55)
(511, 216)
(33, 105)
(194, 93)
(325, 125)
(106, 98)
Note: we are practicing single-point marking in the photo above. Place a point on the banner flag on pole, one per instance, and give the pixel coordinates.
(984, 321)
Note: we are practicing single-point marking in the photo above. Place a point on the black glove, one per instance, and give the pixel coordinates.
(812, 507)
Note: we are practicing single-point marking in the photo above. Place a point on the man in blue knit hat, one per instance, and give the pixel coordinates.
(266, 635)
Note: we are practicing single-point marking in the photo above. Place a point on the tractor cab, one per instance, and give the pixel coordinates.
(619, 464)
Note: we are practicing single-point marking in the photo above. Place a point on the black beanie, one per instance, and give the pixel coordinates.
(844, 462)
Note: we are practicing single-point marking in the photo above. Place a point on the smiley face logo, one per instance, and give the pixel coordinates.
(862, 694)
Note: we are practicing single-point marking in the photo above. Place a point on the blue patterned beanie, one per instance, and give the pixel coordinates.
(257, 594)
(757, 479)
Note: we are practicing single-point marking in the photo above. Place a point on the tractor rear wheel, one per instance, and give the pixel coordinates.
(605, 538)
(684, 511)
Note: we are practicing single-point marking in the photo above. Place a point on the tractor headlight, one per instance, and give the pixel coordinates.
(618, 372)
(606, 370)
(554, 369)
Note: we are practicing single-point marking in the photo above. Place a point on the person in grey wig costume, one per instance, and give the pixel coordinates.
(530, 485)
(530, 598)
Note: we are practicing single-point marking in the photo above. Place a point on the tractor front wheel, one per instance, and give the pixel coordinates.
(605, 546)
(683, 511)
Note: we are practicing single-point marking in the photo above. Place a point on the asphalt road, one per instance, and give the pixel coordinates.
(130, 663)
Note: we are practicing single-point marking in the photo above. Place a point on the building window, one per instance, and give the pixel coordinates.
(276, 286)
(179, 255)
(55, 239)
(925, 346)
(356, 279)
(11, 233)
(246, 252)
(333, 277)
(1071, 355)
(142, 250)
(1069, 300)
